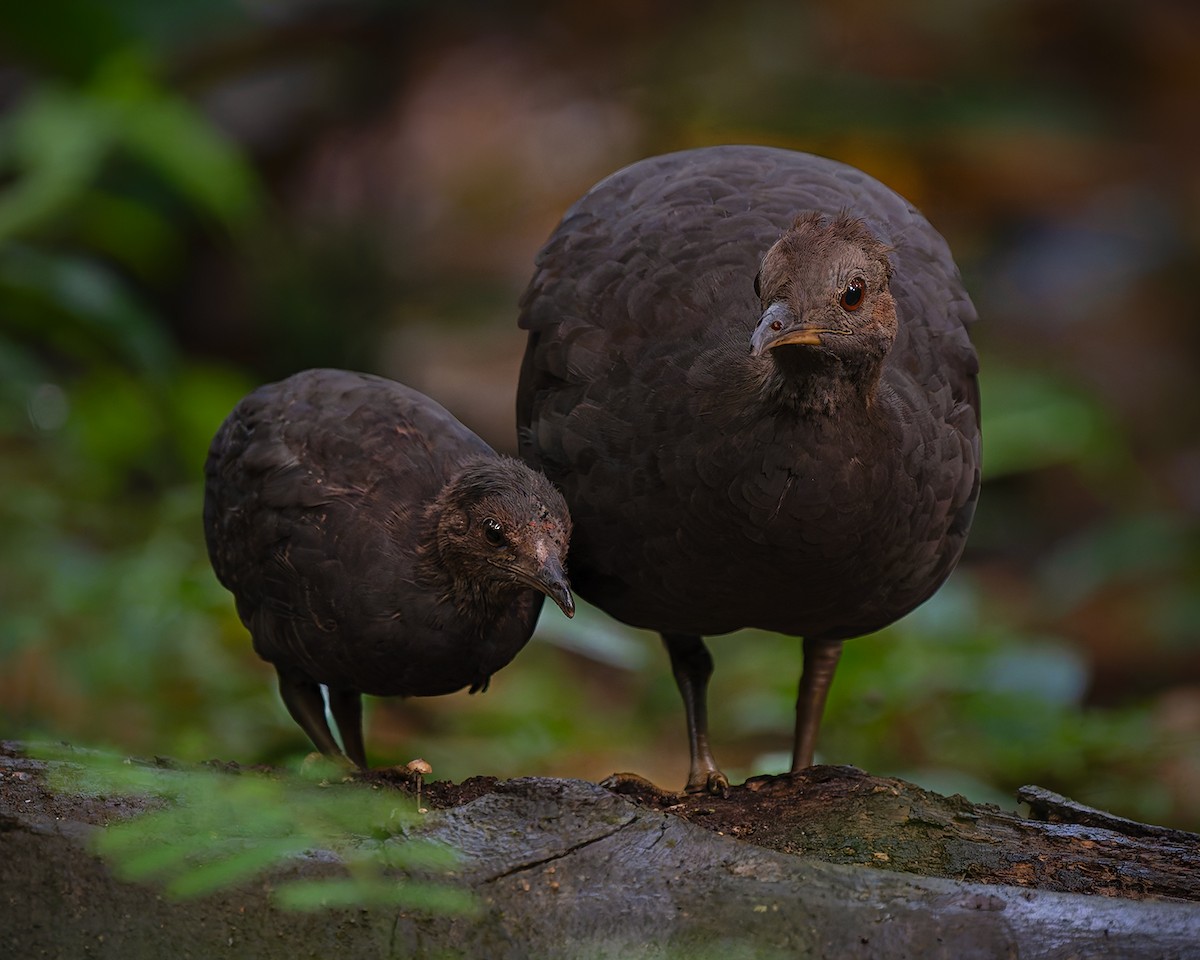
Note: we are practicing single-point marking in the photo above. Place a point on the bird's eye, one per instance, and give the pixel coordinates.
(758, 284)
(852, 296)
(494, 532)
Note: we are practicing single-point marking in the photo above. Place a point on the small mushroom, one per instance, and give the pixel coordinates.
(419, 769)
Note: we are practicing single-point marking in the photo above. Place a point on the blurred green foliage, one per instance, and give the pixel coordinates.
(212, 829)
(104, 421)
(162, 251)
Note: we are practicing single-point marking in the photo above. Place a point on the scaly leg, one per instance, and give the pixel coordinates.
(692, 665)
(304, 702)
(346, 707)
(820, 662)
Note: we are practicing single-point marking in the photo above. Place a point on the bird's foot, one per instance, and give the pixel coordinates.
(634, 785)
(320, 766)
(712, 782)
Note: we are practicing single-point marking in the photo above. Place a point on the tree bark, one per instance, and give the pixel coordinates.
(570, 869)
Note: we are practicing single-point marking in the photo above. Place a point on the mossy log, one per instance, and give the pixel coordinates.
(834, 863)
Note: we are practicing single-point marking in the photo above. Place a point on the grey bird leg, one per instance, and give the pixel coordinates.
(820, 662)
(346, 707)
(692, 665)
(304, 702)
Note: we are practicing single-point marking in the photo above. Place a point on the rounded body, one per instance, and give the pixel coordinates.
(702, 500)
(315, 513)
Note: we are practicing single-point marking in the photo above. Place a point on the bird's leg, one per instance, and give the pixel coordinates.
(304, 702)
(692, 665)
(346, 707)
(820, 662)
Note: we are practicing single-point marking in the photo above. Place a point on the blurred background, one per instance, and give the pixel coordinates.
(200, 196)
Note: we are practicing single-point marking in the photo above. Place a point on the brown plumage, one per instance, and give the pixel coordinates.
(748, 371)
(376, 545)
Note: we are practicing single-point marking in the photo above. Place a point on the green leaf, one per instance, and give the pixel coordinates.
(171, 136)
(1146, 547)
(218, 830)
(229, 871)
(82, 308)
(351, 892)
(1032, 421)
(54, 142)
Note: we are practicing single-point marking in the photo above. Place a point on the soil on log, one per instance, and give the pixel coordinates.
(843, 815)
(830, 863)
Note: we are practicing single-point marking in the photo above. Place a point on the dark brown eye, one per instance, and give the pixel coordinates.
(758, 284)
(852, 296)
(493, 532)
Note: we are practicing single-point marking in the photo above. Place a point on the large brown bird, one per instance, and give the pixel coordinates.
(748, 371)
(376, 545)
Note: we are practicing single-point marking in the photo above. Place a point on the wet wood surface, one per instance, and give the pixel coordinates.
(834, 863)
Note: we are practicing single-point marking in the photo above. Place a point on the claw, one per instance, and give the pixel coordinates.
(632, 784)
(712, 782)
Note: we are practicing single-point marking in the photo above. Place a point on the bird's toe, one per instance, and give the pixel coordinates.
(712, 782)
(635, 785)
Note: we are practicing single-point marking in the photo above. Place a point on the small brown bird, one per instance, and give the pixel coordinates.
(749, 373)
(376, 545)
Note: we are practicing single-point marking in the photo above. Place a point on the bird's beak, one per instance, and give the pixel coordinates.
(777, 326)
(551, 579)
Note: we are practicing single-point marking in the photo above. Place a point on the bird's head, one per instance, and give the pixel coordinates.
(503, 525)
(823, 291)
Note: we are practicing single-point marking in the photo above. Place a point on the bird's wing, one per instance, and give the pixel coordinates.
(316, 481)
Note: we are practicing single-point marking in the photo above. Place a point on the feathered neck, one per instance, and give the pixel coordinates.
(812, 382)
